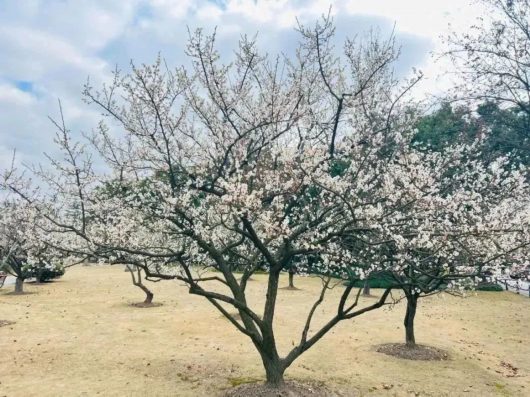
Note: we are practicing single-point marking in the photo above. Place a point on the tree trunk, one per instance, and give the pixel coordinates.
(274, 373)
(366, 288)
(274, 367)
(412, 303)
(291, 280)
(19, 286)
(149, 297)
(38, 276)
(138, 283)
(148, 294)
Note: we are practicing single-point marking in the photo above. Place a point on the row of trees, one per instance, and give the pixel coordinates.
(312, 160)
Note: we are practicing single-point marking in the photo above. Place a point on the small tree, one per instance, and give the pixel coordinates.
(117, 190)
(491, 60)
(137, 281)
(478, 222)
(21, 241)
(13, 259)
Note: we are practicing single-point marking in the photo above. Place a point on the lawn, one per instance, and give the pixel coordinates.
(78, 337)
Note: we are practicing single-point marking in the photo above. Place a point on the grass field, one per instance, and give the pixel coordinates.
(78, 337)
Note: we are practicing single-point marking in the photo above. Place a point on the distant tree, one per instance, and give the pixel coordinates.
(137, 190)
(11, 261)
(466, 237)
(502, 131)
(507, 132)
(446, 126)
(136, 276)
(492, 63)
(22, 250)
(492, 57)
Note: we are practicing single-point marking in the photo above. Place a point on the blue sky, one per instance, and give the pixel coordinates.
(50, 47)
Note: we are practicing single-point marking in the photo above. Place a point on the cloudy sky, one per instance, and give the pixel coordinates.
(49, 47)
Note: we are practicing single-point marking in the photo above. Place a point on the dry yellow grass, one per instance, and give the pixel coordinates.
(77, 337)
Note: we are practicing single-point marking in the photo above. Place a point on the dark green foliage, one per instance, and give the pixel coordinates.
(43, 273)
(492, 287)
(446, 127)
(373, 283)
(338, 167)
(506, 131)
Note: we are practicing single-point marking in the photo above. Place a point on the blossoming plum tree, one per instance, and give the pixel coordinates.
(21, 242)
(455, 229)
(491, 58)
(258, 163)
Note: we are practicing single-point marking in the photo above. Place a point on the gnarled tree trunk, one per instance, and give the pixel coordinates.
(137, 281)
(149, 295)
(412, 303)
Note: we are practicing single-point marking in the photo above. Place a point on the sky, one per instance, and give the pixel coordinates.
(50, 47)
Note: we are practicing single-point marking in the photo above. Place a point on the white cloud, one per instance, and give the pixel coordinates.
(172, 8)
(209, 13)
(424, 18)
(12, 96)
(34, 53)
(56, 44)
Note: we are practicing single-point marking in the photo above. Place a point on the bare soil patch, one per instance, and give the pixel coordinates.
(291, 389)
(143, 305)
(418, 352)
(5, 323)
